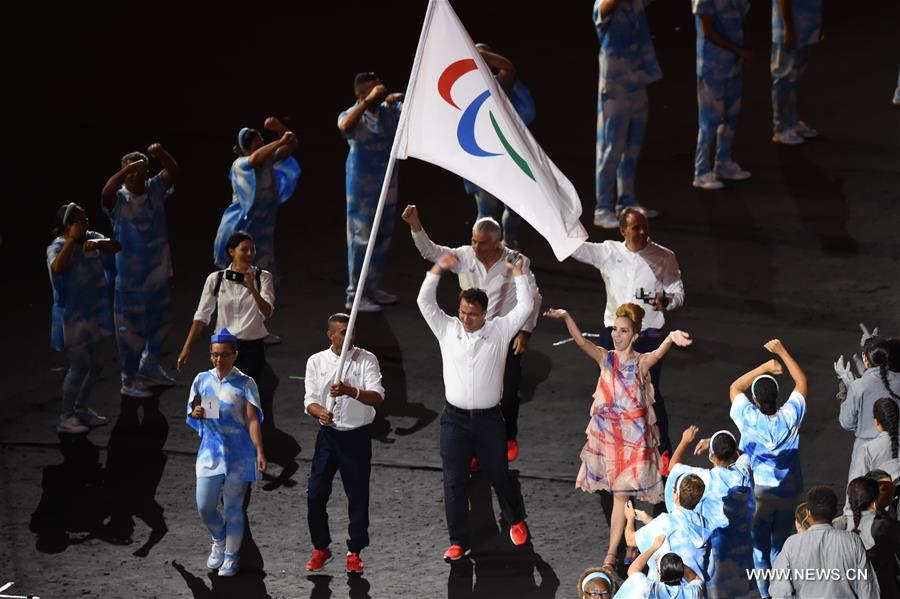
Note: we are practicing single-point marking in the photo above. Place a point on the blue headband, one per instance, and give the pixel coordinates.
(594, 576)
(223, 336)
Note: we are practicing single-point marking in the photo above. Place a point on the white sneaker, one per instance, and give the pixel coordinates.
(271, 339)
(707, 181)
(365, 305)
(155, 375)
(383, 297)
(135, 389)
(805, 131)
(229, 566)
(216, 554)
(788, 138)
(71, 425)
(730, 171)
(91, 418)
(605, 219)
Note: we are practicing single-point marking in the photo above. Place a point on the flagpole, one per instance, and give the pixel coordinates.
(376, 224)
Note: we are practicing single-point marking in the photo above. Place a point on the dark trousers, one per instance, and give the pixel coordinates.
(462, 436)
(509, 402)
(251, 358)
(648, 341)
(349, 452)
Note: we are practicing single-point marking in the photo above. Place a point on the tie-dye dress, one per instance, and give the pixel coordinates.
(620, 454)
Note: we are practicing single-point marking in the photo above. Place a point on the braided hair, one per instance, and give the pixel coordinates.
(887, 413)
(861, 493)
(877, 350)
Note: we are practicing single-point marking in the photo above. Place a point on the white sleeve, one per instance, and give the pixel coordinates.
(513, 322)
(372, 376)
(429, 249)
(311, 383)
(207, 300)
(435, 318)
(595, 254)
(672, 284)
(535, 297)
(267, 288)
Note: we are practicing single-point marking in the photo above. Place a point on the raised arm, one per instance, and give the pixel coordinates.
(743, 382)
(437, 319)
(640, 562)
(169, 166)
(597, 353)
(275, 125)
(679, 338)
(429, 249)
(606, 7)
(687, 437)
(351, 119)
(270, 150)
(110, 191)
(777, 347)
(506, 71)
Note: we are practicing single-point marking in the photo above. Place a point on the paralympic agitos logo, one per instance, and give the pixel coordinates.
(465, 130)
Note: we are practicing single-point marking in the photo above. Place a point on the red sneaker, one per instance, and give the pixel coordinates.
(455, 552)
(319, 558)
(474, 465)
(518, 533)
(512, 450)
(354, 563)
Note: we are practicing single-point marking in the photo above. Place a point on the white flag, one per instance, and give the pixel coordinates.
(457, 116)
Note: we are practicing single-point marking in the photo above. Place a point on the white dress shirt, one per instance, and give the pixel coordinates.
(497, 280)
(361, 371)
(473, 362)
(624, 273)
(235, 307)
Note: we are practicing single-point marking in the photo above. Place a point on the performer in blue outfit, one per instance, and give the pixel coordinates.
(627, 66)
(135, 204)
(263, 177)
(673, 578)
(686, 529)
(369, 126)
(520, 98)
(80, 314)
(721, 56)
(727, 505)
(771, 437)
(224, 408)
(796, 27)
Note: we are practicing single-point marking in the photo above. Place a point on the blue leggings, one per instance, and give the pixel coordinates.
(85, 362)
(231, 527)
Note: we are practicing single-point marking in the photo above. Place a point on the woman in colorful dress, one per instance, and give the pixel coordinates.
(223, 407)
(621, 455)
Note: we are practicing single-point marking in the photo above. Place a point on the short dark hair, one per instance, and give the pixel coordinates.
(877, 474)
(724, 448)
(338, 317)
(474, 295)
(361, 78)
(822, 503)
(623, 215)
(765, 392)
(236, 239)
(134, 157)
(671, 569)
(690, 491)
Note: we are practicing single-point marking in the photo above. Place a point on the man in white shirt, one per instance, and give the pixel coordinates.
(637, 269)
(344, 441)
(481, 266)
(473, 351)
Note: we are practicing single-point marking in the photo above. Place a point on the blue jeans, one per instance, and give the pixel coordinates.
(231, 527)
(85, 362)
(787, 66)
(718, 109)
(621, 125)
(489, 205)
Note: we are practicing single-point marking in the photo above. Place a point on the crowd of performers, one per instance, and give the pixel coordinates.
(719, 523)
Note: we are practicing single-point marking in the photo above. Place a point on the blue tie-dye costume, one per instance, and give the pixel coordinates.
(226, 460)
(639, 586)
(488, 204)
(728, 506)
(627, 66)
(789, 63)
(143, 268)
(370, 147)
(79, 318)
(257, 194)
(773, 445)
(687, 534)
(719, 77)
